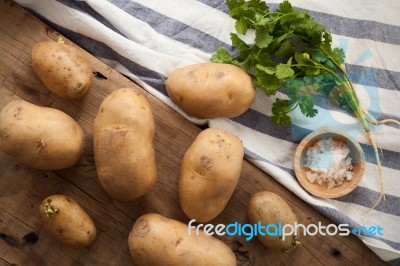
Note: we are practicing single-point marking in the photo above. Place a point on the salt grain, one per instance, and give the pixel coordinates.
(329, 162)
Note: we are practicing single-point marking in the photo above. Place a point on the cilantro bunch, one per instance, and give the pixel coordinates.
(293, 51)
(290, 50)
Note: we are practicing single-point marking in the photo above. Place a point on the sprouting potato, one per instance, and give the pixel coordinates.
(66, 221)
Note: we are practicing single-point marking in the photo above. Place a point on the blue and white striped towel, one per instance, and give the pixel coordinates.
(147, 39)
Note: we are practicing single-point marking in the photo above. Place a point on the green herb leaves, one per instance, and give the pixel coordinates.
(312, 65)
(280, 109)
(284, 35)
(284, 71)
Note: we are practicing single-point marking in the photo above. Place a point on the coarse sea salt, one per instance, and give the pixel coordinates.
(328, 161)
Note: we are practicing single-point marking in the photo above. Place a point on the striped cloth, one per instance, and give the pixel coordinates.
(147, 39)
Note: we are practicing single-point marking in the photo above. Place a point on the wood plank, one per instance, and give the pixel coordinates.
(22, 189)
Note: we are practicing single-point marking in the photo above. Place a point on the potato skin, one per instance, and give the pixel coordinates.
(62, 68)
(157, 240)
(210, 171)
(40, 137)
(268, 208)
(70, 225)
(210, 90)
(123, 137)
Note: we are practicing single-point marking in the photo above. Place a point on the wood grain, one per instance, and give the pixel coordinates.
(22, 240)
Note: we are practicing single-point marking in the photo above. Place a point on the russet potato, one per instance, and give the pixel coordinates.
(123, 136)
(210, 171)
(157, 240)
(62, 68)
(210, 90)
(40, 137)
(65, 220)
(269, 208)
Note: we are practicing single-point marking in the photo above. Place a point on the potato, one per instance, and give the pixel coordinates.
(123, 137)
(210, 171)
(62, 68)
(157, 240)
(40, 137)
(211, 90)
(64, 220)
(269, 208)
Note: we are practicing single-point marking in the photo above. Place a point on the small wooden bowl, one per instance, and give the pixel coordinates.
(357, 159)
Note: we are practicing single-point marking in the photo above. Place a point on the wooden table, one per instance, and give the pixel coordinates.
(22, 240)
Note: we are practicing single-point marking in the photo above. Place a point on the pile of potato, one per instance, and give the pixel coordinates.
(123, 136)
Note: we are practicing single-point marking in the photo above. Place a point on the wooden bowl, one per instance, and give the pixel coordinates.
(357, 159)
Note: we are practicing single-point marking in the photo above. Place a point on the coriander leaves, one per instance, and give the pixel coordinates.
(293, 51)
(290, 49)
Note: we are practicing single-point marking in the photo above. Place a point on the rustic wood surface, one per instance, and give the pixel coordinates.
(22, 240)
